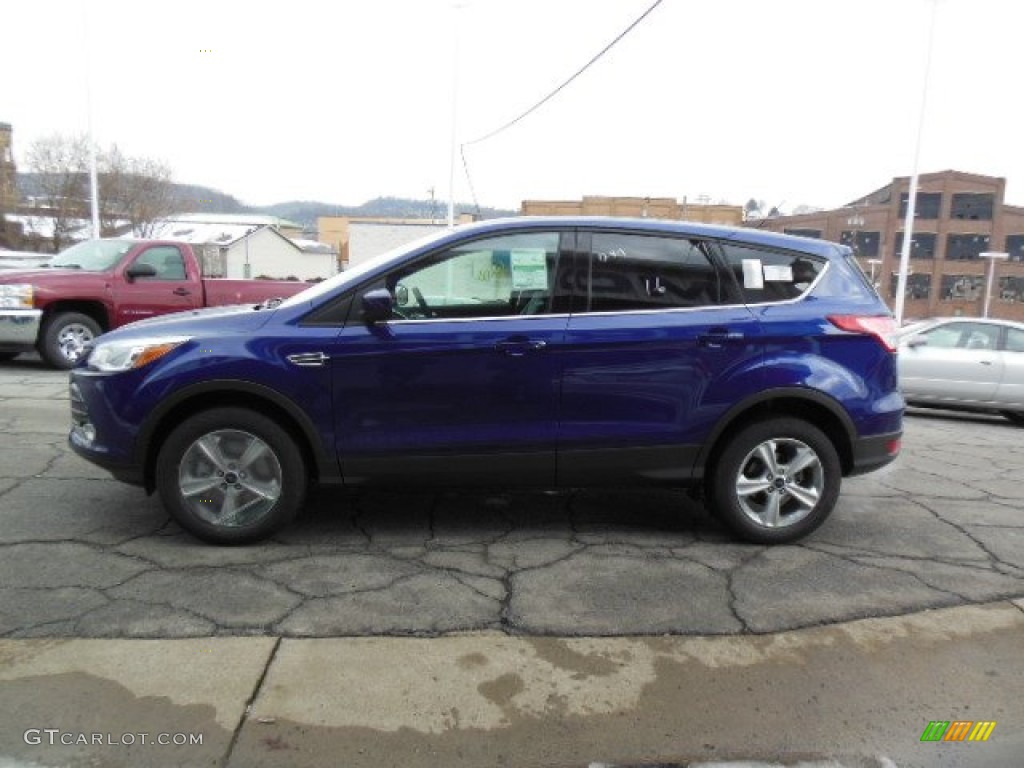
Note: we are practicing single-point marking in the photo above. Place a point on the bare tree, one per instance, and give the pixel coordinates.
(754, 209)
(59, 164)
(135, 192)
(111, 167)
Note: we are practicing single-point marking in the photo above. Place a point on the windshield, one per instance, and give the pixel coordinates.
(354, 274)
(92, 255)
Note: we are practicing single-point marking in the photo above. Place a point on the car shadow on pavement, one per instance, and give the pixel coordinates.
(977, 417)
(438, 516)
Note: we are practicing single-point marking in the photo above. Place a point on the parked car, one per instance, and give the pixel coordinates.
(559, 352)
(962, 363)
(98, 285)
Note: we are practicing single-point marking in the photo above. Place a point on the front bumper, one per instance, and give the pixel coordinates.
(85, 441)
(20, 327)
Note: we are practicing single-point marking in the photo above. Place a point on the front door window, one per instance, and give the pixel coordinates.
(496, 277)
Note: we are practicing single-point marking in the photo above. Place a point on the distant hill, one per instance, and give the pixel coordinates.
(305, 212)
(193, 198)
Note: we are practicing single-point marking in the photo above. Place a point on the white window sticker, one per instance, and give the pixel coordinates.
(752, 277)
(778, 273)
(529, 269)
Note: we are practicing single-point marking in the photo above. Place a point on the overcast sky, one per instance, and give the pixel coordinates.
(790, 101)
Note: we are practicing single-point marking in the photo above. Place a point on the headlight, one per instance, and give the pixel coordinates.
(16, 296)
(112, 356)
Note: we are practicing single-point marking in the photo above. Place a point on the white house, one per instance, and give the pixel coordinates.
(246, 246)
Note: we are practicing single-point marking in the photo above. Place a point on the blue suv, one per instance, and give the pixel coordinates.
(756, 368)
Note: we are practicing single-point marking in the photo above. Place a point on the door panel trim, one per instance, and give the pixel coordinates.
(523, 469)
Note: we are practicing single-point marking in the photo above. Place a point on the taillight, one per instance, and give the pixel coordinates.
(882, 327)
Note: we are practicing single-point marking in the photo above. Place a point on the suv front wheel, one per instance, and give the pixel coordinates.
(231, 476)
(776, 481)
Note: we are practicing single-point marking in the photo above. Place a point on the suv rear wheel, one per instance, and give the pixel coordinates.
(231, 476)
(776, 481)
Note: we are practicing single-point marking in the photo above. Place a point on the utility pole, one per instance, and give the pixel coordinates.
(457, 34)
(94, 186)
(908, 224)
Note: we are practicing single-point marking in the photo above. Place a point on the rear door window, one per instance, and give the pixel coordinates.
(1014, 340)
(630, 272)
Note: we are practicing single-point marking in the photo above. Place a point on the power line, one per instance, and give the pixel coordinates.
(576, 74)
(469, 179)
(546, 99)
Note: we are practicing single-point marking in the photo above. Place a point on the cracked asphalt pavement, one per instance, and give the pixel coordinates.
(85, 556)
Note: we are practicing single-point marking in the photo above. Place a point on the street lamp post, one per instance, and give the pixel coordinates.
(874, 264)
(992, 258)
(855, 222)
(906, 279)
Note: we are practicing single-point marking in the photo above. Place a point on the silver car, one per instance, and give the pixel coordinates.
(965, 364)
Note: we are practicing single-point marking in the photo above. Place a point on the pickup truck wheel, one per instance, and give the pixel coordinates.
(231, 476)
(64, 338)
(776, 481)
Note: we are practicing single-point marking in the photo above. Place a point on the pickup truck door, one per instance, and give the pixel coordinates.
(176, 287)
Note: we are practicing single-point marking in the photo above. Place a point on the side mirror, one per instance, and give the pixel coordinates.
(138, 270)
(378, 305)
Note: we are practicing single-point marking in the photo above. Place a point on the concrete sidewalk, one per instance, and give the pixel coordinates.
(857, 694)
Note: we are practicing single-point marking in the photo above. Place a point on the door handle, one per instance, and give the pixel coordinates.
(308, 359)
(519, 347)
(985, 362)
(181, 292)
(715, 338)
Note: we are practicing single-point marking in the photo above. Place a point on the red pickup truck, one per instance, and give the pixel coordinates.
(99, 285)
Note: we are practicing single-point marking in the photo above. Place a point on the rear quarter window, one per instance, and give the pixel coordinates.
(765, 275)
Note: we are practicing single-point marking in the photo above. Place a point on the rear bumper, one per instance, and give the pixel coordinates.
(871, 453)
(19, 327)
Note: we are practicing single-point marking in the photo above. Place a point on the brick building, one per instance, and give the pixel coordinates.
(8, 170)
(9, 230)
(644, 207)
(958, 216)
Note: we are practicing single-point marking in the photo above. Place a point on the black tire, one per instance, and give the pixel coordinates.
(231, 502)
(63, 336)
(1016, 417)
(807, 495)
(6, 355)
